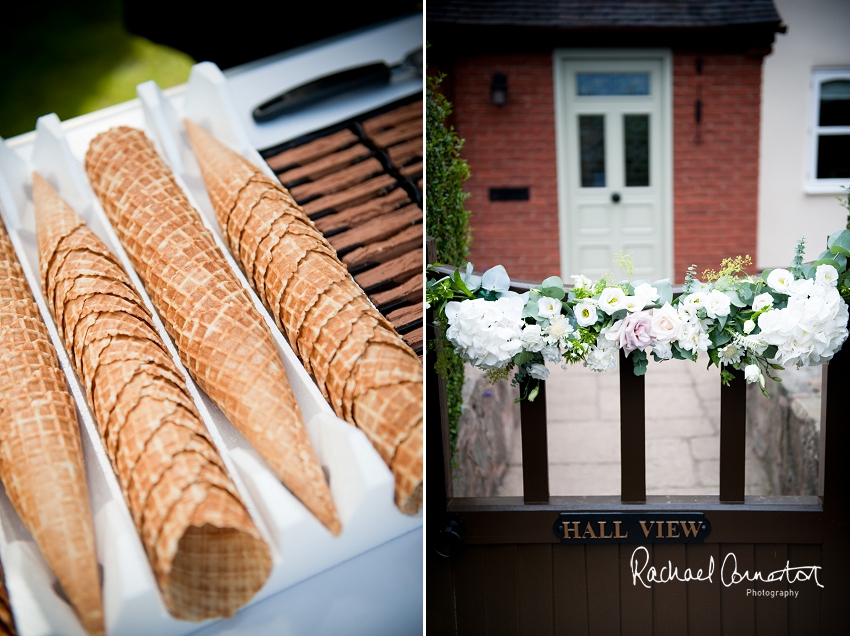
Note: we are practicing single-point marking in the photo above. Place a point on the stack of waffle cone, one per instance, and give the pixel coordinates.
(41, 456)
(364, 369)
(208, 557)
(7, 621)
(220, 335)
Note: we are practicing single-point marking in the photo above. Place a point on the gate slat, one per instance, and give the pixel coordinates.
(500, 589)
(771, 613)
(603, 589)
(704, 596)
(569, 575)
(738, 609)
(733, 432)
(635, 600)
(669, 600)
(535, 448)
(440, 610)
(534, 589)
(804, 611)
(469, 576)
(632, 433)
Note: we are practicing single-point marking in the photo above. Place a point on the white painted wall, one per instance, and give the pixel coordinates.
(818, 35)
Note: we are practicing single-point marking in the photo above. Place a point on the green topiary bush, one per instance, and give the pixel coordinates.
(447, 220)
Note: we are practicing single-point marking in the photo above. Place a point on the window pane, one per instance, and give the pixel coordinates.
(592, 148)
(834, 157)
(636, 135)
(613, 83)
(835, 103)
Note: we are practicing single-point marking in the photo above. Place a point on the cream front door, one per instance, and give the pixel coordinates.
(614, 161)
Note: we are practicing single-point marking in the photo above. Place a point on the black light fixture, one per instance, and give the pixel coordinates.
(499, 89)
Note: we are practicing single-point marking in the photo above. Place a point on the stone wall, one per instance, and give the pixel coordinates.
(487, 429)
(785, 430)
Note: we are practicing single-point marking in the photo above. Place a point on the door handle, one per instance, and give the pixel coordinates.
(615, 197)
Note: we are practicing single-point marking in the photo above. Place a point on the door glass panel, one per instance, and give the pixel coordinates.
(592, 149)
(833, 156)
(612, 83)
(835, 103)
(636, 141)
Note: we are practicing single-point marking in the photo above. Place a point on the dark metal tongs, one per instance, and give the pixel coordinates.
(323, 88)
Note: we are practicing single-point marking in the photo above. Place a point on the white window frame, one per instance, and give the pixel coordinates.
(813, 185)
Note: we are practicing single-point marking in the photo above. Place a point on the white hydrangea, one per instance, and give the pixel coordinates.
(810, 329)
(486, 333)
(647, 292)
(603, 356)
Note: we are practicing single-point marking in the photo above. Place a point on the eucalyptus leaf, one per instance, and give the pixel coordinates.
(554, 292)
(665, 291)
(770, 352)
(765, 274)
(734, 298)
(522, 357)
(839, 242)
(553, 281)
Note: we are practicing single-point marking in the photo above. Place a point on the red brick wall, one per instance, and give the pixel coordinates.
(510, 146)
(715, 164)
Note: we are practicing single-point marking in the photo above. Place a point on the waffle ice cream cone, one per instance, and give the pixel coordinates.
(368, 374)
(220, 335)
(208, 556)
(7, 621)
(41, 456)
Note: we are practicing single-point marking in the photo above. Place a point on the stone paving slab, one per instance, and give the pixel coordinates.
(682, 433)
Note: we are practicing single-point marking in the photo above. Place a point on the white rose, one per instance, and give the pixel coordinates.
(749, 325)
(780, 280)
(551, 353)
(827, 275)
(585, 314)
(752, 373)
(634, 303)
(761, 301)
(603, 356)
(532, 338)
(664, 350)
(548, 307)
(717, 304)
(666, 324)
(538, 371)
(692, 303)
(647, 292)
(612, 299)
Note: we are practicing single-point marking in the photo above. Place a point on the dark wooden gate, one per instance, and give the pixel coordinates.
(495, 566)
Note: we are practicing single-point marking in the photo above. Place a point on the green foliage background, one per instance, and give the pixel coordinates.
(447, 219)
(72, 58)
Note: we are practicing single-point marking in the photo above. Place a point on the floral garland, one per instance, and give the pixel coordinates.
(784, 317)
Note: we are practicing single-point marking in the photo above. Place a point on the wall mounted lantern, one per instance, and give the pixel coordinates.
(499, 89)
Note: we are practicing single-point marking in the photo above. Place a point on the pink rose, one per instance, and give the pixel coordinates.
(636, 331)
